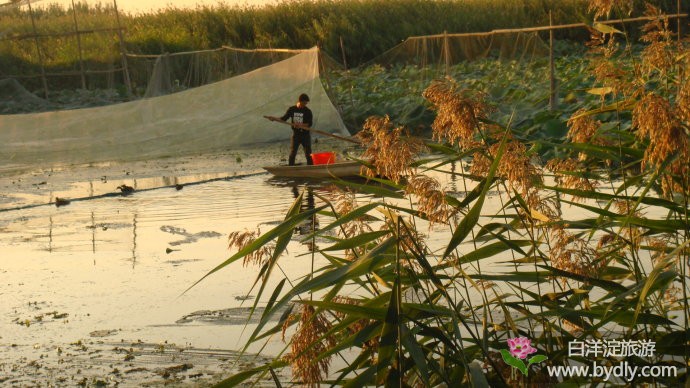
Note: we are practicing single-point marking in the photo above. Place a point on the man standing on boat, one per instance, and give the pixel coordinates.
(301, 117)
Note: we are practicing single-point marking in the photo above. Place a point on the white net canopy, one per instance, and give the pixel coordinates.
(216, 116)
(393, 82)
(451, 49)
(172, 72)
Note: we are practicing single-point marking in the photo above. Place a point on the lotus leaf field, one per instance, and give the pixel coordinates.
(517, 90)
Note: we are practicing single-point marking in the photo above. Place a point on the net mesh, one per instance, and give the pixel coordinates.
(392, 83)
(14, 97)
(215, 116)
(451, 49)
(173, 72)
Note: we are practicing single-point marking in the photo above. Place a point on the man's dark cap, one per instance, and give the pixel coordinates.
(303, 97)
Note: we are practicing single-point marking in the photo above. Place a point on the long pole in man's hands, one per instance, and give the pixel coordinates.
(276, 119)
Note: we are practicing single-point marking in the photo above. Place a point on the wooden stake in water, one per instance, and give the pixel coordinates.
(81, 57)
(38, 51)
(342, 50)
(123, 54)
(553, 97)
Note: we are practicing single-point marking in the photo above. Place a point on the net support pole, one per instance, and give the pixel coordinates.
(38, 51)
(553, 97)
(678, 21)
(78, 35)
(342, 50)
(446, 52)
(123, 54)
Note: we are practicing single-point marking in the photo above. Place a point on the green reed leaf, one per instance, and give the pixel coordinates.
(490, 250)
(373, 190)
(410, 343)
(675, 343)
(389, 335)
(351, 216)
(659, 277)
(363, 379)
(357, 241)
(240, 377)
(605, 284)
(472, 217)
(352, 310)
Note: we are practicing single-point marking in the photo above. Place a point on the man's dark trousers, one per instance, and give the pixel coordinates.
(302, 138)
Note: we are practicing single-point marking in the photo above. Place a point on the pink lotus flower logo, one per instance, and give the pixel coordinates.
(520, 348)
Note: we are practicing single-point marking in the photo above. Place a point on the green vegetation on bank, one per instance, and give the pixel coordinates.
(515, 88)
(365, 30)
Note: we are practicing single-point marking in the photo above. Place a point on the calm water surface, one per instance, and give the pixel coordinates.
(115, 268)
(112, 270)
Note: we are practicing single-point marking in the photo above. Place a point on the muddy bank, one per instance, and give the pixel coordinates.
(97, 362)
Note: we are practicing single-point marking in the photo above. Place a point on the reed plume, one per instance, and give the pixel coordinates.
(659, 54)
(516, 166)
(390, 149)
(573, 254)
(459, 112)
(359, 325)
(431, 199)
(344, 202)
(241, 240)
(658, 122)
(307, 345)
(582, 128)
(567, 173)
(608, 69)
(603, 8)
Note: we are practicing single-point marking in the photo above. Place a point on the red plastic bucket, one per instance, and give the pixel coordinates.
(323, 158)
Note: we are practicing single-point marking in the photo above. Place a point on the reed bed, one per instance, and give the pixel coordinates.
(593, 243)
(363, 31)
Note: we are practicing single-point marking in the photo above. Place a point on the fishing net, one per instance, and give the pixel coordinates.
(392, 83)
(173, 72)
(444, 50)
(216, 116)
(14, 97)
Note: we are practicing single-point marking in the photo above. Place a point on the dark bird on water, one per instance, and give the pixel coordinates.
(61, 201)
(126, 189)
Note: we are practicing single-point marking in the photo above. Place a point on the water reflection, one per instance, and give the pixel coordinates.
(312, 224)
(43, 194)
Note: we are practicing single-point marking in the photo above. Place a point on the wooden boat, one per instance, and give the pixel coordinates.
(335, 170)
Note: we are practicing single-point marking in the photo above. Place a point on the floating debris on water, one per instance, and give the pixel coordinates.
(61, 201)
